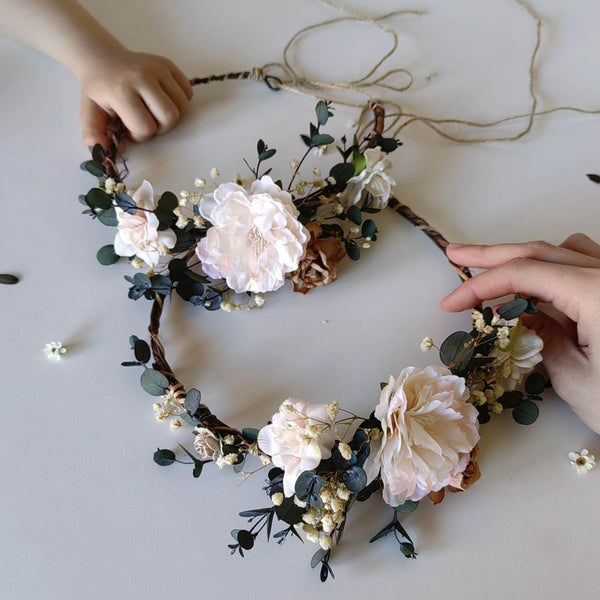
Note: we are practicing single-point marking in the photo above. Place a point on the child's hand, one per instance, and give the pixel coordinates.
(148, 93)
(567, 277)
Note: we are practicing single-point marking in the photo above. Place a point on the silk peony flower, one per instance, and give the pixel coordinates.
(518, 358)
(429, 430)
(372, 179)
(138, 234)
(299, 436)
(255, 238)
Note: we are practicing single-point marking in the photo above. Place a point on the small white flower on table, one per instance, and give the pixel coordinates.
(54, 350)
(582, 461)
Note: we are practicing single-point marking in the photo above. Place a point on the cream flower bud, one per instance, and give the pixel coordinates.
(175, 424)
(325, 542)
(199, 182)
(300, 503)
(214, 173)
(332, 411)
(345, 450)
(277, 499)
(426, 344)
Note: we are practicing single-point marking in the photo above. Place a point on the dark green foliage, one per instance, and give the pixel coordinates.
(107, 255)
(8, 279)
(154, 382)
(526, 412)
(456, 351)
(164, 458)
(406, 508)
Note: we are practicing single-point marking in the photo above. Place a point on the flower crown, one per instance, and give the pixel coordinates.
(225, 247)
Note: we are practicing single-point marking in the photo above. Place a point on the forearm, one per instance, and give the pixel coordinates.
(62, 29)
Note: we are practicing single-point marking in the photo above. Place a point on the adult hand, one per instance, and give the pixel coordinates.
(566, 280)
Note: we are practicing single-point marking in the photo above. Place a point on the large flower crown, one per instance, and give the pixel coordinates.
(226, 246)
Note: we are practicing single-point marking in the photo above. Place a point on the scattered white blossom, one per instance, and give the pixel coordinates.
(199, 182)
(55, 350)
(214, 173)
(583, 461)
(175, 424)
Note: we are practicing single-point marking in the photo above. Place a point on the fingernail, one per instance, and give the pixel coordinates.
(454, 245)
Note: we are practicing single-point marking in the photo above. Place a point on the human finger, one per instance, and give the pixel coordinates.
(94, 123)
(488, 257)
(579, 242)
(557, 284)
(182, 81)
(163, 108)
(174, 91)
(136, 117)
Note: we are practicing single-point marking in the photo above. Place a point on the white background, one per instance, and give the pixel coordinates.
(84, 512)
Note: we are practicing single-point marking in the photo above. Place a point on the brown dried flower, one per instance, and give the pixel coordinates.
(319, 265)
(460, 482)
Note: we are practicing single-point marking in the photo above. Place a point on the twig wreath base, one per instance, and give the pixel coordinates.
(249, 238)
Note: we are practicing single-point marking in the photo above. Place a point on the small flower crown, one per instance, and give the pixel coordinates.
(225, 247)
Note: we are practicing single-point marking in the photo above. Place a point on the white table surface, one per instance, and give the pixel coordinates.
(84, 511)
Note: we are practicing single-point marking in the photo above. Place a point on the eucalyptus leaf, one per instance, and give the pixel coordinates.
(8, 279)
(535, 384)
(154, 382)
(406, 508)
(352, 250)
(526, 412)
(108, 217)
(369, 229)
(164, 458)
(107, 255)
(93, 167)
(245, 539)
(250, 434)
(97, 198)
(456, 350)
(385, 531)
(323, 112)
(355, 479)
(513, 309)
(98, 153)
(317, 557)
(321, 139)
(342, 172)
(594, 178)
(168, 202)
(141, 350)
(126, 203)
(354, 214)
(192, 401)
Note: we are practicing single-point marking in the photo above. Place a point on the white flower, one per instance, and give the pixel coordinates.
(372, 179)
(426, 344)
(214, 173)
(138, 234)
(199, 182)
(287, 442)
(429, 430)
(54, 350)
(206, 444)
(255, 238)
(175, 424)
(518, 357)
(582, 461)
